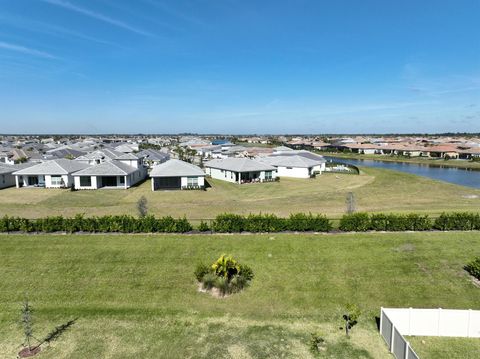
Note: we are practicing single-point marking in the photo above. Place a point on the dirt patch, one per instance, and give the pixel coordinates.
(470, 196)
(214, 292)
(475, 281)
(407, 247)
(26, 352)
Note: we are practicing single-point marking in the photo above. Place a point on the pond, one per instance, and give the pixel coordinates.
(461, 176)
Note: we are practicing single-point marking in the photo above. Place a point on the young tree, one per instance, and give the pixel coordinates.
(27, 324)
(142, 207)
(352, 313)
(350, 201)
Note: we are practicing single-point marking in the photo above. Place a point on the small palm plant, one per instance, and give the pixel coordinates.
(225, 274)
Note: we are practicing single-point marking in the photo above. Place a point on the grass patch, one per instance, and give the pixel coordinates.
(376, 190)
(131, 300)
(445, 348)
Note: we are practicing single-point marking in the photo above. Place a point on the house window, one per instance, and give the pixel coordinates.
(56, 180)
(268, 174)
(192, 181)
(85, 181)
(289, 168)
(3, 179)
(122, 180)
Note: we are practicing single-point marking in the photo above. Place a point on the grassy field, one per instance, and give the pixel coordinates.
(448, 348)
(375, 190)
(419, 160)
(135, 296)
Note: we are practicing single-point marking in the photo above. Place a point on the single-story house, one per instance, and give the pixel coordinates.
(49, 174)
(240, 170)
(176, 174)
(294, 164)
(110, 174)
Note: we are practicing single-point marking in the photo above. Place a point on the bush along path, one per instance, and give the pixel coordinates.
(254, 223)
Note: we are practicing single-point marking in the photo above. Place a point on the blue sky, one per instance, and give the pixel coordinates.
(239, 66)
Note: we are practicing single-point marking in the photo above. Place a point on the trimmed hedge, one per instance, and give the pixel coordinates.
(235, 223)
(361, 222)
(301, 222)
(105, 224)
(460, 221)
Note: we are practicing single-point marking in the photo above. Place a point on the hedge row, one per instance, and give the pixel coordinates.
(234, 223)
(361, 222)
(105, 224)
(226, 223)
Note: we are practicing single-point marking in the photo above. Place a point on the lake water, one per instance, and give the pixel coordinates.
(460, 176)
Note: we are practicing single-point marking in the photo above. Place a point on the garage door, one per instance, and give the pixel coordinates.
(167, 182)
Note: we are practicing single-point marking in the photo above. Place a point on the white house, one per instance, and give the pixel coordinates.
(7, 179)
(111, 174)
(240, 170)
(176, 174)
(297, 164)
(49, 174)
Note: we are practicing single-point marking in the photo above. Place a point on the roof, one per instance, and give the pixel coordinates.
(292, 161)
(104, 153)
(110, 168)
(127, 156)
(153, 155)
(282, 149)
(239, 165)
(61, 166)
(176, 168)
(302, 153)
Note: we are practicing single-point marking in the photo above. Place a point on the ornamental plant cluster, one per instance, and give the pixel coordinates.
(235, 223)
(225, 274)
(361, 222)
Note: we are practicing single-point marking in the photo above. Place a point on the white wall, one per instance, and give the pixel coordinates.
(436, 322)
(7, 180)
(296, 172)
(218, 174)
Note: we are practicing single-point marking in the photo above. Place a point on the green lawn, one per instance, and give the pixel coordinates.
(135, 296)
(446, 348)
(375, 190)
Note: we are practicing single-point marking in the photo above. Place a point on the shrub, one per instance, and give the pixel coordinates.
(264, 223)
(355, 222)
(474, 268)
(237, 283)
(201, 270)
(246, 272)
(203, 227)
(228, 222)
(317, 342)
(461, 221)
(209, 281)
(308, 222)
(222, 284)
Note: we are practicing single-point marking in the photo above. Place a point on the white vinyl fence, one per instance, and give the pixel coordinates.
(397, 322)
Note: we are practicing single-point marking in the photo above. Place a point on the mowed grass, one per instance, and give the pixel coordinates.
(136, 296)
(375, 190)
(446, 348)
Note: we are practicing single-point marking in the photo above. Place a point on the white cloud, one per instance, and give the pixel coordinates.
(26, 50)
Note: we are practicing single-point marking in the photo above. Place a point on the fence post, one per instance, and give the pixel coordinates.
(381, 320)
(407, 346)
(392, 337)
(438, 323)
(410, 321)
(468, 322)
